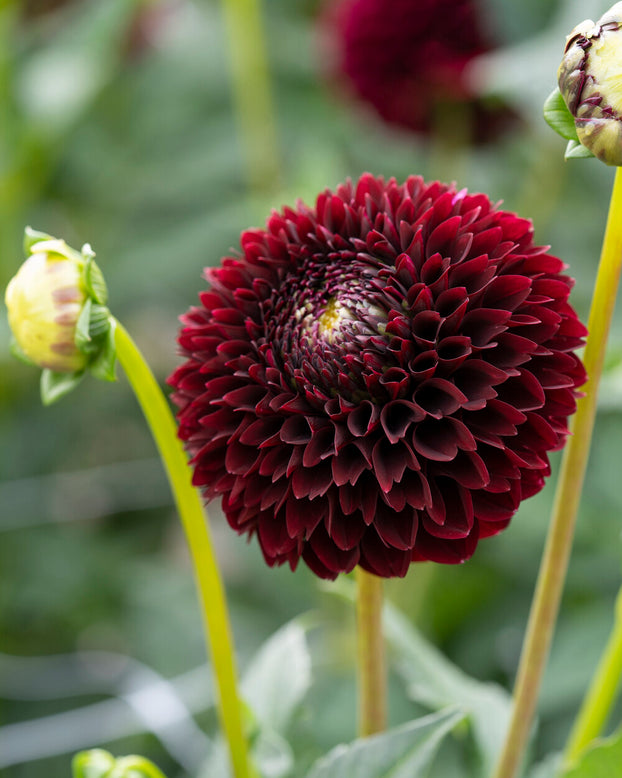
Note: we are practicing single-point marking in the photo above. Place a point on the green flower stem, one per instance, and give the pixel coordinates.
(601, 694)
(251, 91)
(372, 674)
(211, 591)
(554, 563)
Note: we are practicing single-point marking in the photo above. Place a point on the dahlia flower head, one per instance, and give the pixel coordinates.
(409, 59)
(377, 380)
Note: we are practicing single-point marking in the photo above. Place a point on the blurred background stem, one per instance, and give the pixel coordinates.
(602, 692)
(251, 92)
(372, 673)
(545, 604)
(211, 590)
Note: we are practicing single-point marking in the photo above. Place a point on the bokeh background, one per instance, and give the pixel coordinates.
(118, 127)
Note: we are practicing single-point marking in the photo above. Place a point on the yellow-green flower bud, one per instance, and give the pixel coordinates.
(58, 315)
(44, 301)
(590, 81)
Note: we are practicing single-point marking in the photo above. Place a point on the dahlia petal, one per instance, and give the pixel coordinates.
(444, 551)
(363, 419)
(296, 430)
(312, 482)
(382, 560)
(508, 292)
(274, 463)
(332, 558)
(348, 465)
(467, 469)
(397, 416)
(439, 397)
(303, 516)
(347, 531)
(261, 431)
(320, 446)
(524, 392)
(397, 529)
(240, 459)
(273, 535)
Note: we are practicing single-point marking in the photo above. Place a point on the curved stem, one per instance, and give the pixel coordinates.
(601, 694)
(251, 91)
(372, 674)
(211, 592)
(545, 605)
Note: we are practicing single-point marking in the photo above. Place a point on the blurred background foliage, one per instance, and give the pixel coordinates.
(118, 127)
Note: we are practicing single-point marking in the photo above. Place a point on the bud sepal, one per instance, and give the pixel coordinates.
(57, 312)
(557, 115)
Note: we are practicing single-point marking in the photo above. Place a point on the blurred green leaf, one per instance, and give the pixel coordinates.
(279, 677)
(576, 150)
(55, 386)
(103, 366)
(602, 759)
(433, 680)
(273, 687)
(558, 116)
(403, 752)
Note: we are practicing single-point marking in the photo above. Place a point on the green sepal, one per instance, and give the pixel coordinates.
(55, 385)
(98, 763)
(31, 237)
(17, 351)
(576, 150)
(93, 278)
(557, 115)
(104, 364)
(92, 325)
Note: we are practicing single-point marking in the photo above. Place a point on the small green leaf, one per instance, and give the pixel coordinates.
(602, 759)
(100, 321)
(103, 366)
(56, 385)
(96, 763)
(91, 327)
(82, 337)
(31, 237)
(576, 150)
(558, 116)
(94, 281)
(404, 752)
(19, 353)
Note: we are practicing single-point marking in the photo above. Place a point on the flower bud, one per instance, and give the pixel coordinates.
(44, 301)
(590, 81)
(57, 312)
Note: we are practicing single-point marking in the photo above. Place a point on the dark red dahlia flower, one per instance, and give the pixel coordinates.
(378, 380)
(409, 59)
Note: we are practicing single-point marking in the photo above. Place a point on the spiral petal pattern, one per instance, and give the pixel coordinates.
(377, 379)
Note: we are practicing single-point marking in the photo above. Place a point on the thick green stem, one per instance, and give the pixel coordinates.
(251, 91)
(601, 694)
(211, 591)
(545, 605)
(372, 673)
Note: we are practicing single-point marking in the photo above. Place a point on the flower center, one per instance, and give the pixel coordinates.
(323, 320)
(331, 320)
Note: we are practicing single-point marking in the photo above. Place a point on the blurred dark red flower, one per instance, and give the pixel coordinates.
(409, 60)
(378, 379)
